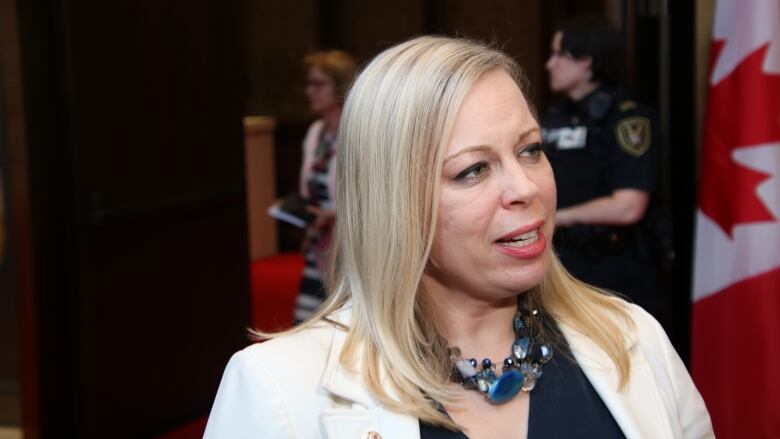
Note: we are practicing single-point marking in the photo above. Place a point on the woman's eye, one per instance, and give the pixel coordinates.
(472, 172)
(532, 151)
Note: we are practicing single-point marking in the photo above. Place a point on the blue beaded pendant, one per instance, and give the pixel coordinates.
(506, 387)
(521, 369)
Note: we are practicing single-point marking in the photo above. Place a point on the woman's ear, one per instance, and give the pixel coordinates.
(586, 62)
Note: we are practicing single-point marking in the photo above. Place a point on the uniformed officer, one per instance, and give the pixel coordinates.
(602, 145)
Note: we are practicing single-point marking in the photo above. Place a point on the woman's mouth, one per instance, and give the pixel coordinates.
(527, 244)
(521, 240)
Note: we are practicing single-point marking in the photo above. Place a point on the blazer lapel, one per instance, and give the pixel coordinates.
(638, 408)
(356, 422)
(355, 411)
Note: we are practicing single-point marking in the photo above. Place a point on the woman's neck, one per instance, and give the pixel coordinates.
(582, 90)
(331, 118)
(481, 328)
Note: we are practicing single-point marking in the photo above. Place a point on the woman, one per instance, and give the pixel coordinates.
(329, 74)
(446, 204)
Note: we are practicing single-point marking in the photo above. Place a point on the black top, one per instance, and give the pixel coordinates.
(564, 404)
(603, 142)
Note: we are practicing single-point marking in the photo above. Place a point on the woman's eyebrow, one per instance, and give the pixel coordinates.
(481, 148)
(475, 148)
(527, 133)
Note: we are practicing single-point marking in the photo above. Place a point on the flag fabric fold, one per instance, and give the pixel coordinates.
(735, 350)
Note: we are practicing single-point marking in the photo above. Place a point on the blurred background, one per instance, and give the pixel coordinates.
(142, 140)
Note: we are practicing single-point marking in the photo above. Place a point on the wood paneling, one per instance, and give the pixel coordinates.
(514, 26)
(9, 322)
(138, 223)
(260, 184)
(20, 215)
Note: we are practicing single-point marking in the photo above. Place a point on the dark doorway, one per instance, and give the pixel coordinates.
(135, 279)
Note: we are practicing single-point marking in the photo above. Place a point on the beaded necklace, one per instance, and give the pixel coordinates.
(521, 369)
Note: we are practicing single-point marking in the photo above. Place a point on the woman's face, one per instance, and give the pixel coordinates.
(497, 205)
(566, 72)
(321, 91)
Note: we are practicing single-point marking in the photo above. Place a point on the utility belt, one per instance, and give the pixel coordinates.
(597, 242)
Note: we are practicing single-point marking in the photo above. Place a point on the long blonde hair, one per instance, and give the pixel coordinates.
(395, 127)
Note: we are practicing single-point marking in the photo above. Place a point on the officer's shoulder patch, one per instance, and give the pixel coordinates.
(633, 134)
(626, 105)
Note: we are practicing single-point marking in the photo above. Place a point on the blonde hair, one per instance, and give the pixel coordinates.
(394, 130)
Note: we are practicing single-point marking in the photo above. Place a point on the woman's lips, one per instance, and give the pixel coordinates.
(526, 245)
(537, 225)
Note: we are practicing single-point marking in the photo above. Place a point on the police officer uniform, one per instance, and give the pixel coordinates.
(602, 143)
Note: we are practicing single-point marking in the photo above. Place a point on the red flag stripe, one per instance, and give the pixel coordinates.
(735, 357)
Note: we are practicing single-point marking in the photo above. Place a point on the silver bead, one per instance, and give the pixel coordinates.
(465, 368)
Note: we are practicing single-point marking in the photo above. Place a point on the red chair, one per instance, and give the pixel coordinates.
(275, 282)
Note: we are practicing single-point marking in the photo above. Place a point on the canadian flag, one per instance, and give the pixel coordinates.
(735, 356)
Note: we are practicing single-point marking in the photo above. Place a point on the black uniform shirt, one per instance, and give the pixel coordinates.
(602, 143)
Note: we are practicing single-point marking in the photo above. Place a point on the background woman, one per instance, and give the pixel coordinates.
(448, 301)
(329, 74)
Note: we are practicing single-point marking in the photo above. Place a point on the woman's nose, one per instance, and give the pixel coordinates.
(518, 187)
(548, 65)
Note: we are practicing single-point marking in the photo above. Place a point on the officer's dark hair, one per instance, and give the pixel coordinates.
(597, 37)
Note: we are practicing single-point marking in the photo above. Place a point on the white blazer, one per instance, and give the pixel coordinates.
(295, 387)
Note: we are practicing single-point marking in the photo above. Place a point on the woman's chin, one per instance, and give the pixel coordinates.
(527, 278)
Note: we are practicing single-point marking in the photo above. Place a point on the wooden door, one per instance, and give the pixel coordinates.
(137, 212)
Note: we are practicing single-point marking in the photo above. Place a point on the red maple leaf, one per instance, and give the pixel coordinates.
(743, 110)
